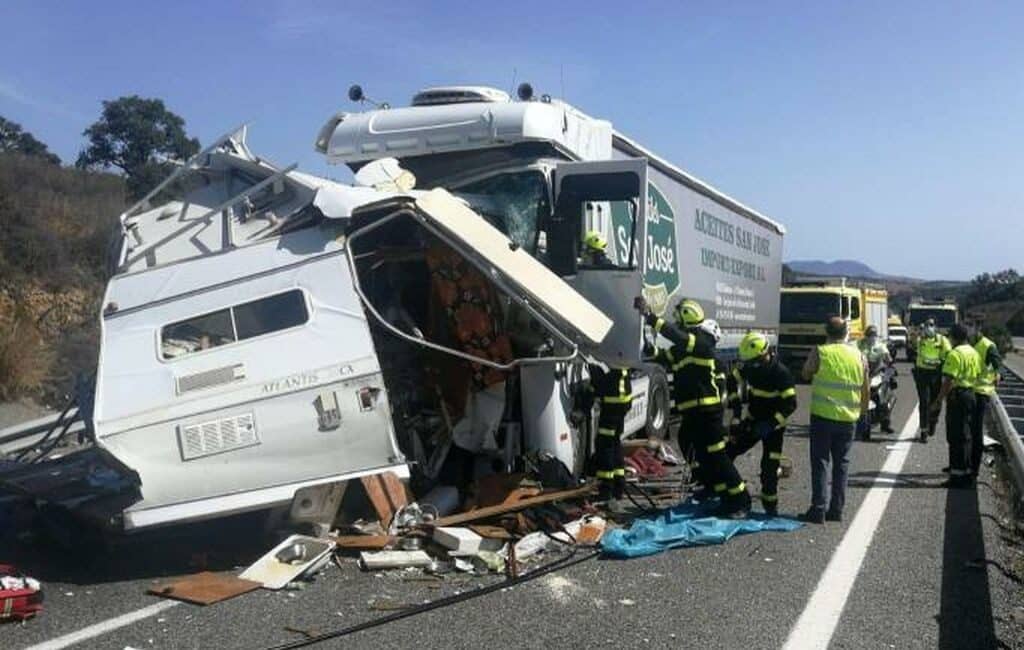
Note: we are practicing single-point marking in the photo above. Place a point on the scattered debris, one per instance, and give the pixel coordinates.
(363, 542)
(522, 504)
(205, 588)
(372, 561)
(21, 597)
(292, 558)
(628, 602)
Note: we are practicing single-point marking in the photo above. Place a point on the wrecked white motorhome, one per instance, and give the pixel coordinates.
(257, 345)
(272, 335)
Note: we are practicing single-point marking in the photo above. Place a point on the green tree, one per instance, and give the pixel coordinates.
(13, 139)
(140, 137)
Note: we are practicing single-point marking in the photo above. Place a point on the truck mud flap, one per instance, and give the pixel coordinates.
(91, 484)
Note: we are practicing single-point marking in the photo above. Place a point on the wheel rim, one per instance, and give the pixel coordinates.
(658, 406)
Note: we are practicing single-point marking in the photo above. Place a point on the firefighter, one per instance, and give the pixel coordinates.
(960, 373)
(698, 400)
(613, 390)
(984, 389)
(932, 348)
(771, 399)
(595, 251)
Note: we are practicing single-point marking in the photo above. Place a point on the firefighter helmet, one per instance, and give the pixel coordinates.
(753, 345)
(689, 313)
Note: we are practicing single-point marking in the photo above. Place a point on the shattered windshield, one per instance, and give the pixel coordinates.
(513, 202)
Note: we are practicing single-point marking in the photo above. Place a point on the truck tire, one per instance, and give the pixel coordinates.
(659, 400)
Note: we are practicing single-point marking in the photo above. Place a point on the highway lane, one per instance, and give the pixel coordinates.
(926, 581)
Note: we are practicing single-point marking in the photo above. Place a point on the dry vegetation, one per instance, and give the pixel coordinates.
(55, 228)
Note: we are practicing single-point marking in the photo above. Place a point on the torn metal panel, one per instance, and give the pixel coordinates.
(484, 243)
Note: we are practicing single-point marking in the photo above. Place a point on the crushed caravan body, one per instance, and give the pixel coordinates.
(246, 354)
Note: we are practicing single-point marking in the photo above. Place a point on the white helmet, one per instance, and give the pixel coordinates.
(710, 326)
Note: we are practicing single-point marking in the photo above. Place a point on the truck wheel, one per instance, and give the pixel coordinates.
(658, 401)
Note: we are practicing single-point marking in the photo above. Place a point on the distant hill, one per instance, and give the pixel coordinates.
(847, 268)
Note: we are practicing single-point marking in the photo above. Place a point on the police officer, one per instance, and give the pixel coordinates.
(932, 348)
(595, 251)
(771, 398)
(960, 373)
(611, 387)
(878, 356)
(698, 399)
(984, 389)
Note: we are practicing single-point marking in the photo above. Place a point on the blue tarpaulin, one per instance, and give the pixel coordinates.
(687, 524)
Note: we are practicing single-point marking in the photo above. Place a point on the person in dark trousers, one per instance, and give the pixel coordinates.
(840, 391)
(984, 389)
(771, 398)
(614, 393)
(698, 399)
(932, 348)
(960, 373)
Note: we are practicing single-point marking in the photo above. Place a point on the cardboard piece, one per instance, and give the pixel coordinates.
(205, 588)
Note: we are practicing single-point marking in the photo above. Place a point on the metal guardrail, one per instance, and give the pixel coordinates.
(1006, 423)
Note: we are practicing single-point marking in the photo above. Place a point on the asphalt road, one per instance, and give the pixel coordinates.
(940, 571)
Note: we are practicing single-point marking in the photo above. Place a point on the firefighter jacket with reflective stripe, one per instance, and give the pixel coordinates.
(770, 391)
(931, 352)
(988, 352)
(836, 388)
(962, 365)
(691, 360)
(613, 390)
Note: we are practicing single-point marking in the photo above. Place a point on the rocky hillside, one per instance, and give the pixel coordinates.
(55, 228)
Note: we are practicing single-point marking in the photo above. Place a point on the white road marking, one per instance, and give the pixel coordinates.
(105, 626)
(817, 623)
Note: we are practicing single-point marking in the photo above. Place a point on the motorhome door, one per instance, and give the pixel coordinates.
(608, 198)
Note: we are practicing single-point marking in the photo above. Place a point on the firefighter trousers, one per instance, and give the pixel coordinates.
(608, 462)
(745, 439)
(704, 429)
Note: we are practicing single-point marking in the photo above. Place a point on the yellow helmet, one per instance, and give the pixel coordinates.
(595, 241)
(753, 345)
(689, 313)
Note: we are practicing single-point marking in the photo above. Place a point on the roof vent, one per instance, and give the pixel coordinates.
(458, 95)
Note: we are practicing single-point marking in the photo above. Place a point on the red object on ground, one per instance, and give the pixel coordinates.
(21, 597)
(646, 464)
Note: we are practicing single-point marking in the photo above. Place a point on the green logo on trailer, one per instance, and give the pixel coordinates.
(661, 269)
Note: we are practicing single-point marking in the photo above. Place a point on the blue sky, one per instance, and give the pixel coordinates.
(888, 132)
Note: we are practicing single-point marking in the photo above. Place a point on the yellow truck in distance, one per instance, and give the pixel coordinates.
(806, 305)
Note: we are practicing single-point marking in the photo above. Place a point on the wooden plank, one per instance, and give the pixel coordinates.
(205, 588)
(395, 490)
(493, 511)
(363, 542)
(378, 498)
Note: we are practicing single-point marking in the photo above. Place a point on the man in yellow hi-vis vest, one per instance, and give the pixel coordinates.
(984, 389)
(839, 394)
(959, 376)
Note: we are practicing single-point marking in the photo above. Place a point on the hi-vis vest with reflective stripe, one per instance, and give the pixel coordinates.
(837, 385)
(930, 352)
(986, 384)
(963, 366)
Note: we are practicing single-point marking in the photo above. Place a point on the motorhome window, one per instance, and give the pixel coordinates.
(198, 333)
(807, 307)
(943, 317)
(513, 202)
(236, 323)
(854, 307)
(270, 314)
